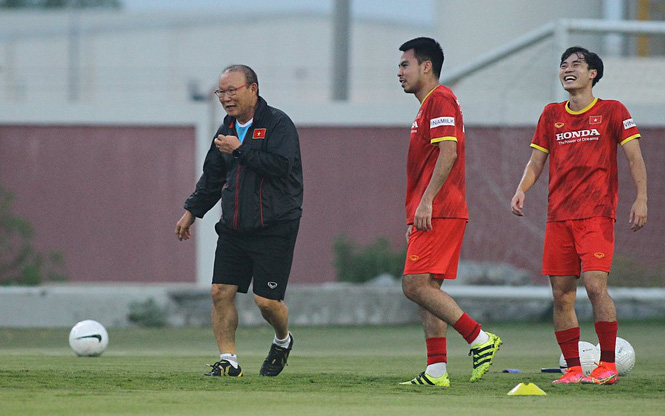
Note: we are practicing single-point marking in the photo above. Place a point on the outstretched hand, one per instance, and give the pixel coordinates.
(638, 215)
(182, 228)
(517, 203)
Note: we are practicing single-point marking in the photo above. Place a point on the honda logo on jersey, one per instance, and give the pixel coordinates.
(577, 134)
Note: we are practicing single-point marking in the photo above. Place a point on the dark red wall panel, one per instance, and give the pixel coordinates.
(106, 197)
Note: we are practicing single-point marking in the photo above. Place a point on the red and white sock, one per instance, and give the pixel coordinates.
(437, 356)
(470, 330)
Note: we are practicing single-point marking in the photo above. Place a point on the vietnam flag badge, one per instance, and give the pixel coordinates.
(595, 119)
(259, 134)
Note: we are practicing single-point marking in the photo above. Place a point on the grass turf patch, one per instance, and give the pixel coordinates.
(332, 371)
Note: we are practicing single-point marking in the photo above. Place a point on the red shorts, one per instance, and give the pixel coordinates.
(578, 245)
(436, 251)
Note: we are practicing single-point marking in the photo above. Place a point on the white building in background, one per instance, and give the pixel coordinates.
(177, 57)
(112, 60)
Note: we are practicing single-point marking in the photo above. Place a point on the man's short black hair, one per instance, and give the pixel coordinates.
(250, 75)
(426, 49)
(592, 60)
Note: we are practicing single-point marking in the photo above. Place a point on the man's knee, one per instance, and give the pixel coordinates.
(563, 292)
(564, 296)
(595, 284)
(412, 286)
(268, 306)
(222, 293)
(597, 293)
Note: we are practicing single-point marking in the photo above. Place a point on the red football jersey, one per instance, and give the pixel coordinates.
(439, 119)
(582, 147)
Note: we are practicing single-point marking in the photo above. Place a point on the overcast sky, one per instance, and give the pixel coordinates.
(412, 11)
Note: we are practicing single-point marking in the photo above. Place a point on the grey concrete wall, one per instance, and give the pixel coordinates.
(329, 304)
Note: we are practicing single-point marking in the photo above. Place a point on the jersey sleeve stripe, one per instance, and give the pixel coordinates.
(634, 136)
(542, 149)
(443, 139)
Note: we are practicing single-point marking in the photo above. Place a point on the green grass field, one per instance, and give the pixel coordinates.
(332, 371)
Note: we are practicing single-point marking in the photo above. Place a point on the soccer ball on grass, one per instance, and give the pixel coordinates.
(624, 356)
(88, 338)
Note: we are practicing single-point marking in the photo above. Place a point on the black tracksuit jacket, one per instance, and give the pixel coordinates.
(261, 187)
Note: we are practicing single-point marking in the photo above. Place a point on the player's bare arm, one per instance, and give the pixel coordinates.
(531, 174)
(182, 228)
(638, 212)
(444, 163)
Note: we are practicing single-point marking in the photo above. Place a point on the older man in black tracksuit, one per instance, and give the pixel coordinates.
(254, 166)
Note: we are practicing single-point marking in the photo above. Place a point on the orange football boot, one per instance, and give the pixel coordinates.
(605, 373)
(572, 375)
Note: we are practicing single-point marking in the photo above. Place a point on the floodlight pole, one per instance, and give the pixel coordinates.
(561, 42)
(613, 12)
(74, 56)
(341, 39)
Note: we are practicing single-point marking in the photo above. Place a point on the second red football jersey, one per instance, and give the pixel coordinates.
(582, 147)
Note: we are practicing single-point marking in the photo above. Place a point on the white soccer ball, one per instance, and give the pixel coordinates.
(624, 355)
(88, 338)
(589, 357)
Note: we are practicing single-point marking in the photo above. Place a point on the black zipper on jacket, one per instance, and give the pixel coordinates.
(261, 202)
(236, 202)
(237, 199)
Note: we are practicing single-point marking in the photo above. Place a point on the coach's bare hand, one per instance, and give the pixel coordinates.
(182, 228)
(227, 144)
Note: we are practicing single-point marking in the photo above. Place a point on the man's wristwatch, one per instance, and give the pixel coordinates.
(237, 153)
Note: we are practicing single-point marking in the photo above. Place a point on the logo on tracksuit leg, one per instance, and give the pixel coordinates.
(272, 285)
